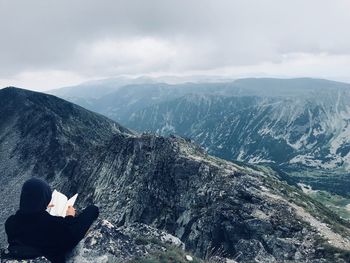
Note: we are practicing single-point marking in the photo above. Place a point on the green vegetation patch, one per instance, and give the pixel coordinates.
(338, 204)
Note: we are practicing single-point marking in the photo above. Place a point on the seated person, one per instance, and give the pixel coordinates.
(33, 228)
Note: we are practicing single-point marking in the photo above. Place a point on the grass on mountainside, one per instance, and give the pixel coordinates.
(171, 254)
(336, 203)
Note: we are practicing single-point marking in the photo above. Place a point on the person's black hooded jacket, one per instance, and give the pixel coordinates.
(32, 226)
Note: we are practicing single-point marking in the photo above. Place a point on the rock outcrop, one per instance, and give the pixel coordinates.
(107, 243)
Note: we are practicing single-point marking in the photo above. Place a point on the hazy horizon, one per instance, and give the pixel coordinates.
(163, 79)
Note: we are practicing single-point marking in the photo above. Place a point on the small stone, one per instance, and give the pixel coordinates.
(189, 258)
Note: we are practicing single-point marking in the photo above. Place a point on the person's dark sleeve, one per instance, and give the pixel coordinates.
(68, 231)
(80, 224)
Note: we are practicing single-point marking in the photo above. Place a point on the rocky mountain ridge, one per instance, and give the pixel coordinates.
(299, 127)
(295, 122)
(281, 131)
(166, 183)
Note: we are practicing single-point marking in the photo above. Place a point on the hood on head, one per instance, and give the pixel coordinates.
(35, 196)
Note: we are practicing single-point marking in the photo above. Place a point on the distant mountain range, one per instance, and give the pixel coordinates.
(292, 124)
(214, 206)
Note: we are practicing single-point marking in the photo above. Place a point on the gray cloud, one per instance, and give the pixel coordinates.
(102, 38)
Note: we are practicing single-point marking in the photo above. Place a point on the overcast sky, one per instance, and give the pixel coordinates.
(47, 44)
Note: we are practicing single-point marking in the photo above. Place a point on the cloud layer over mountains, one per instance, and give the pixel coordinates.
(46, 44)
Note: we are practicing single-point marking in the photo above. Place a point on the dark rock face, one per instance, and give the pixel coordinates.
(213, 206)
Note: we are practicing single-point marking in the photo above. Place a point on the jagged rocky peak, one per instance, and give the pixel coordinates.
(215, 207)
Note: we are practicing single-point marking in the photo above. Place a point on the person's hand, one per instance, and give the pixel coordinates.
(70, 211)
(50, 205)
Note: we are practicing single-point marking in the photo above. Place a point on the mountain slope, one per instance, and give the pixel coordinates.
(305, 138)
(97, 88)
(123, 100)
(116, 98)
(168, 183)
(300, 125)
(294, 122)
(43, 135)
(311, 132)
